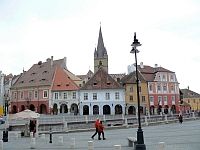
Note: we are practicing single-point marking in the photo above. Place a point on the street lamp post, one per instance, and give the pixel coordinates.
(140, 139)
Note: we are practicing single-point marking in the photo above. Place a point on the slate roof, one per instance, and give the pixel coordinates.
(101, 80)
(39, 74)
(62, 82)
(100, 52)
(189, 94)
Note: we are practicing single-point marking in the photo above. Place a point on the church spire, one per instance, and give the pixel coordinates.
(101, 50)
(100, 54)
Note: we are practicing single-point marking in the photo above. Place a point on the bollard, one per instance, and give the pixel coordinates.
(90, 145)
(117, 147)
(146, 121)
(50, 136)
(126, 122)
(31, 134)
(65, 126)
(166, 121)
(33, 143)
(60, 140)
(1, 144)
(161, 145)
(72, 144)
(43, 136)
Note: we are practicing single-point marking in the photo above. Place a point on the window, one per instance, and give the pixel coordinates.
(85, 96)
(94, 96)
(159, 89)
(131, 89)
(35, 94)
(150, 88)
(131, 98)
(15, 95)
(65, 95)
(164, 78)
(143, 98)
(160, 100)
(165, 99)
(172, 88)
(172, 77)
(116, 95)
(151, 99)
(107, 96)
(22, 95)
(45, 94)
(74, 95)
(165, 88)
(56, 95)
(30, 94)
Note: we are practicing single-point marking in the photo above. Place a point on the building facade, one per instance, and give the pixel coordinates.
(102, 95)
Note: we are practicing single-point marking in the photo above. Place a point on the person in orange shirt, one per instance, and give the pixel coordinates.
(101, 131)
(96, 124)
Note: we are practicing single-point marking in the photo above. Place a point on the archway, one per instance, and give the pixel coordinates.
(173, 109)
(14, 109)
(166, 109)
(22, 107)
(159, 109)
(32, 107)
(55, 109)
(85, 110)
(118, 109)
(106, 110)
(95, 110)
(74, 109)
(63, 108)
(152, 110)
(131, 110)
(43, 109)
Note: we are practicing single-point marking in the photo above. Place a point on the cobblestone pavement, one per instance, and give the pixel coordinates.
(176, 136)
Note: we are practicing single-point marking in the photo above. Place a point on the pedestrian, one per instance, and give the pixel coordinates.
(180, 118)
(101, 131)
(96, 124)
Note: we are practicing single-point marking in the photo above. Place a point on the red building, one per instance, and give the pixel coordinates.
(163, 89)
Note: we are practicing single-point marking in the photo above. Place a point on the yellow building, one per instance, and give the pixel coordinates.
(129, 82)
(192, 98)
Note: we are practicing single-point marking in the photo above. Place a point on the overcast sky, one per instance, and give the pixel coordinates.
(169, 30)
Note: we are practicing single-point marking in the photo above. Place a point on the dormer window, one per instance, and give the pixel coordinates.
(94, 83)
(58, 85)
(33, 73)
(67, 84)
(31, 81)
(45, 71)
(43, 79)
(21, 81)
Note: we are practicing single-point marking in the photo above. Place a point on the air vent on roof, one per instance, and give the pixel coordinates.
(33, 73)
(45, 71)
(58, 85)
(31, 81)
(67, 84)
(21, 81)
(43, 80)
(94, 83)
(40, 62)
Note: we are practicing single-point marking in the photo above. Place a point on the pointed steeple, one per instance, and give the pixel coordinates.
(100, 54)
(101, 50)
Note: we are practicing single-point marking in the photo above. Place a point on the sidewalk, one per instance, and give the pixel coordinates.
(176, 137)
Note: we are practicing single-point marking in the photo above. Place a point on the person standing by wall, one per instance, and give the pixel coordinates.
(96, 124)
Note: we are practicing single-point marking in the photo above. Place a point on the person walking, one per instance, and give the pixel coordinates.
(101, 131)
(96, 124)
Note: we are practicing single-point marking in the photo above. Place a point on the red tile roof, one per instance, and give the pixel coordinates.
(62, 81)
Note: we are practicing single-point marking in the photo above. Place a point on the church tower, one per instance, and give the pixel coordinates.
(100, 55)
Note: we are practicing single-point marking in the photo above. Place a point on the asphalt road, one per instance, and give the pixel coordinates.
(175, 136)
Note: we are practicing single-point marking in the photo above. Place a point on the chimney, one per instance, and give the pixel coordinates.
(141, 65)
(65, 62)
(51, 60)
(156, 66)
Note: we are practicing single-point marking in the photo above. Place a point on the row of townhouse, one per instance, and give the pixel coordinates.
(50, 88)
